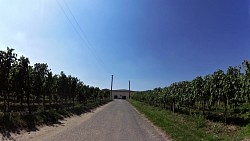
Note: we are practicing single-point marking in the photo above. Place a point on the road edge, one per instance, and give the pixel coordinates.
(158, 129)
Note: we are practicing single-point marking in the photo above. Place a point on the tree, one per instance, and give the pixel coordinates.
(231, 88)
(73, 88)
(7, 59)
(40, 73)
(199, 93)
(62, 86)
(22, 78)
(207, 91)
(49, 86)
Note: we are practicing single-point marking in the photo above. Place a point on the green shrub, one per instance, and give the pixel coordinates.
(245, 113)
(11, 120)
(64, 113)
(30, 120)
(200, 121)
(50, 116)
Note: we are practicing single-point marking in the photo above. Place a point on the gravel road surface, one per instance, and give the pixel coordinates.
(116, 121)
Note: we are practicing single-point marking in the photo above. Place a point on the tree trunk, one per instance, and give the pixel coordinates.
(5, 104)
(8, 102)
(164, 103)
(21, 100)
(44, 101)
(50, 99)
(33, 100)
(28, 102)
(173, 106)
(225, 112)
(218, 104)
(203, 107)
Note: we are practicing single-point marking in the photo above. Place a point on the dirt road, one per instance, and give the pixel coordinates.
(116, 121)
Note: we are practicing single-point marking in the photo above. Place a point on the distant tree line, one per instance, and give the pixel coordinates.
(25, 88)
(221, 95)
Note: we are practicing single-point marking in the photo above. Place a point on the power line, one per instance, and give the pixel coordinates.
(84, 37)
(84, 34)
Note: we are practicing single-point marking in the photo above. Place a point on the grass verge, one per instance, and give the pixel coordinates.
(191, 127)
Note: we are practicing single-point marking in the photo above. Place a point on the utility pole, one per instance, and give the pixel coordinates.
(111, 86)
(129, 89)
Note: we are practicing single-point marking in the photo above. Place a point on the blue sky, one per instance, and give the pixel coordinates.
(153, 43)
